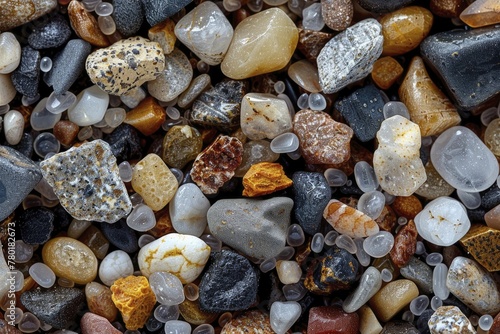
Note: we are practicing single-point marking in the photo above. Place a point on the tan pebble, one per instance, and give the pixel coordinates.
(447, 8)
(85, 25)
(17, 12)
(479, 241)
(349, 221)
(99, 301)
(368, 323)
(386, 71)
(265, 178)
(191, 312)
(163, 33)
(305, 74)
(250, 322)
(435, 186)
(407, 206)
(392, 298)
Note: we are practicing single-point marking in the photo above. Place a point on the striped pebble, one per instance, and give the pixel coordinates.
(349, 221)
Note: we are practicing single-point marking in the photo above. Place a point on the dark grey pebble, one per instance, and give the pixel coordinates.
(128, 16)
(52, 34)
(26, 76)
(159, 10)
(36, 225)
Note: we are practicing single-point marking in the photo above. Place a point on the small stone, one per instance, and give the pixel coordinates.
(220, 106)
(188, 210)
(125, 143)
(492, 217)
(163, 33)
(449, 319)
(435, 186)
(52, 34)
(196, 87)
(312, 194)
(125, 65)
(407, 206)
(121, 236)
(13, 124)
(115, 265)
(322, 140)
(233, 222)
(56, 306)
(250, 322)
(192, 313)
(368, 323)
(134, 299)
(495, 328)
(305, 74)
(376, 6)
(19, 12)
(337, 14)
(105, 199)
(349, 56)
(262, 43)
(181, 144)
(332, 320)
(255, 151)
(229, 284)
(405, 244)
(36, 225)
(216, 164)
(283, 315)
(289, 272)
(66, 132)
(90, 107)
(312, 18)
(349, 221)
(386, 71)
(92, 323)
(447, 8)
(311, 42)
(479, 241)
(10, 53)
(159, 10)
(7, 91)
(392, 298)
(481, 13)
(492, 136)
(369, 284)
(147, 117)
(399, 327)
(85, 25)
(128, 16)
(265, 178)
(6, 328)
(99, 301)
(27, 75)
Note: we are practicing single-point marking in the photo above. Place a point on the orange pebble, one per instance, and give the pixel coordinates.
(265, 178)
(147, 117)
(386, 71)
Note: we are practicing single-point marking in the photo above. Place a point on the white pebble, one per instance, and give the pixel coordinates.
(167, 288)
(115, 265)
(283, 315)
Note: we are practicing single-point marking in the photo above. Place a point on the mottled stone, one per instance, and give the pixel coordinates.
(35, 225)
(480, 241)
(69, 174)
(85, 25)
(311, 42)
(8, 91)
(125, 142)
(52, 34)
(399, 327)
(159, 10)
(349, 56)
(481, 13)
(94, 324)
(250, 322)
(255, 151)
(192, 313)
(181, 144)
(332, 320)
(435, 186)
(337, 14)
(27, 75)
(99, 301)
(447, 8)
(392, 298)
(349, 221)
(386, 71)
(163, 33)
(147, 117)
(448, 320)
(128, 16)
(377, 6)
(405, 244)
(6, 328)
(17, 12)
(265, 178)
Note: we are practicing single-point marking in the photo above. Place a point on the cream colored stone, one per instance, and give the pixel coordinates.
(153, 180)
(392, 298)
(262, 43)
(10, 52)
(305, 74)
(7, 90)
(368, 322)
(289, 272)
(182, 255)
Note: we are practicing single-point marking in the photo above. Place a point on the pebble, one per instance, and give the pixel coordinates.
(134, 299)
(283, 315)
(90, 161)
(128, 16)
(10, 52)
(94, 324)
(368, 323)
(164, 34)
(167, 288)
(19, 12)
(331, 319)
(449, 319)
(491, 135)
(229, 284)
(337, 15)
(188, 210)
(18, 176)
(90, 107)
(305, 74)
(447, 53)
(273, 38)
(196, 87)
(250, 322)
(349, 221)
(192, 313)
(386, 71)
(312, 18)
(124, 142)
(322, 139)
(27, 75)
(216, 164)
(174, 79)
(147, 117)
(183, 255)
(369, 284)
(420, 273)
(99, 301)
(4, 275)
(479, 241)
(399, 327)
(131, 63)
(232, 222)
(435, 186)
(289, 272)
(405, 244)
(481, 13)
(159, 10)
(85, 25)
(121, 236)
(56, 306)
(311, 42)
(52, 34)
(449, 8)
(312, 194)
(36, 225)
(397, 161)
(181, 144)
(7, 91)
(13, 124)
(495, 328)
(67, 66)
(6, 328)
(220, 106)
(473, 286)
(265, 178)
(115, 265)
(349, 56)
(392, 298)
(255, 151)
(66, 132)
(362, 110)
(383, 7)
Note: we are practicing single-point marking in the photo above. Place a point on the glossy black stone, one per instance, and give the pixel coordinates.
(159, 10)
(121, 236)
(52, 34)
(36, 225)
(476, 215)
(125, 142)
(26, 77)
(128, 16)
(378, 6)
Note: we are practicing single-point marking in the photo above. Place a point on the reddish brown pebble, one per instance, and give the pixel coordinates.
(495, 328)
(407, 206)
(99, 301)
(265, 178)
(322, 140)
(191, 312)
(85, 25)
(332, 320)
(337, 14)
(94, 324)
(386, 71)
(216, 164)
(250, 322)
(163, 223)
(311, 42)
(66, 132)
(147, 117)
(93, 238)
(387, 219)
(447, 8)
(405, 244)
(483, 243)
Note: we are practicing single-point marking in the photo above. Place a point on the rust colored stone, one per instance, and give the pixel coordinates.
(95, 324)
(332, 320)
(481, 13)
(495, 328)
(386, 71)
(337, 14)
(191, 312)
(483, 243)
(265, 178)
(447, 8)
(134, 299)
(387, 219)
(85, 25)
(147, 117)
(26, 111)
(163, 33)
(163, 223)
(407, 206)
(347, 220)
(99, 301)
(66, 132)
(311, 42)
(405, 244)
(429, 107)
(250, 322)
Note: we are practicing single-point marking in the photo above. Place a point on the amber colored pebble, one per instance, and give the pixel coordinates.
(429, 107)
(311, 42)
(483, 243)
(392, 298)
(134, 299)
(386, 71)
(404, 29)
(405, 244)
(208, 135)
(447, 8)
(96, 241)
(163, 223)
(147, 117)
(386, 263)
(26, 111)
(481, 13)
(407, 206)
(66, 132)
(387, 219)
(191, 312)
(303, 252)
(85, 25)
(163, 33)
(99, 301)
(265, 178)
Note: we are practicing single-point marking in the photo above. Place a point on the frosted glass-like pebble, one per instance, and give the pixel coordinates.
(42, 274)
(295, 235)
(104, 9)
(439, 287)
(371, 204)
(386, 275)
(393, 108)
(45, 64)
(485, 322)
(204, 329)
(317, 242)
(283, 315)
(312, 18)
(10, 53)
(56, 104)
(90, 107)
(369, 284)
(419, 304)
(463, 161)
(268, 265)
(188, 210)
(164, 313)
(317, 102)
(294, 292)
(46, 143)
(177, 327)
(13, 127)
(286, 254)
(289, 272)
(115, 265)
(212, 241)
(19, 280)
(436, 303)
(346, 242)
(125, 171)
(285, 143)
(142, 218)
(442, 222)
(365, 176)
(191, 291)
(107, 25)
(335, 177)
(470, 200)
(433, 259)
(330, 238)
(379, 244)
(167, 288)
(42, 119)
(303, 101)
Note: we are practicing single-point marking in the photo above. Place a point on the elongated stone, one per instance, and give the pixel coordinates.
(420, 273)
(369, 284)
(349, 56)
(26, 76)
(8, 91)
(18, 12)
(10, 52)
(481, 13)
(349, 221)
(85, 25)
(51, 34)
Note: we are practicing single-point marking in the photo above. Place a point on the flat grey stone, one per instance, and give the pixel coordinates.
(419, 273)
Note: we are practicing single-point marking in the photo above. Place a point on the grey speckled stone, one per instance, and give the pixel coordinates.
(128, 16)
(18, 176)
(159, 10)
(67, 65)
(399, 327)
(419, 273)
(449, 319)
(256, 228)
(349, 56)
(27, 76)
(386, 6)
(52, 34)
(87, 183)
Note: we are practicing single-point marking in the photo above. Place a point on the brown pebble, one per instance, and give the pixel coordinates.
(265, 178)
(250, 322)
(66, 132)
(407, 206)
(191, 312)
(99, 301)
(405, 244)
(147, 117)
(85, 25)
(386, 71)
(332, 320)
(94, 324)
(447, 8)
(163, 223)
(311, 42)
(93, 238)
(5, 328)
(163, 33)
(337, 14)
(495, 328)
(387, 219)
(483, 243)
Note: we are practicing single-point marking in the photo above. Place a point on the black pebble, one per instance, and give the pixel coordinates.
(26, 76)
(36, 225)
(25, 146)
(121, 236)
(128, 16)
(491, 197)
(125, 143)
(52, 34)
(386, 6)
(159, 10)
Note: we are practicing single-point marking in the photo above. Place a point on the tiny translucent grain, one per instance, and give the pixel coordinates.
(295, 235)
(485, 322)
(365, 177)
(42, 274)
(45, 64)
(419, 304)
(317, 242)
(347, 243)
(335, 177)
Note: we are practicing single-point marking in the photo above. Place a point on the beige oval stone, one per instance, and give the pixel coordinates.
(349, 221)
(262, 43)
(392, 298)
(17, 12)
(305, 74)
(7, 90)
(368, 322)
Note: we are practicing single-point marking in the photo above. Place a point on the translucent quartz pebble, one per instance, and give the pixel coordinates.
(485, 322)
(283, 315)
(204, 329)
(363, 258)
(268, 265)
(436, 303)
(294, 292)
(10, 52)
(365, 176)
(133, 97)
(188, 210)
(42, 274)
(393, 108)
(317, 102)
(295, 235)
(41, 119)
(372, 203)
(27, 101)
(46, 143)
(56, 104)
(173, 113)
(312, 18)
(142, 218)
(462, 159)
(77, 227)
(289, 272)
(420, 249)
(289, 103)
(492, 136)
(165, 313)
(470, 200)
(379, 244)
(433, 259)
(255, 5)
(90, 107)
(439, 281)
(286, 254)
(303, 101)
(4, 109)
(231, 5)
(179, 175)
(13, 127)
(335, 177)
(19, 280)
(90, 5)
(279, 86)
(369, 284)
(330, 238)
(45, 64)
(191, 291)
(144, 240)
(305, 74)
(489, 115)
(29, 323)
(85, 133)
(474, 319)
(317, 242)
(107, 25)
(443, 221)
(386, 275)
(104, 9)
(125, 171)
(346, 242)
(177, 327)
(136, 199)
(167, 288)
(212, 241)
(419, 304)
(115, 265)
